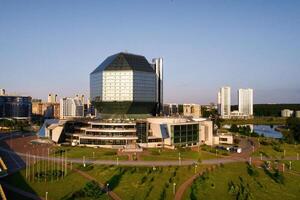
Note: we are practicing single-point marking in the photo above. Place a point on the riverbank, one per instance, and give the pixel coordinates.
(257, 121)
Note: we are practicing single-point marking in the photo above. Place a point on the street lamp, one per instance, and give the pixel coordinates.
(261, 156)
(107, 187)
(46, 195)
(117, 160)
(174, 188)
(196, 168)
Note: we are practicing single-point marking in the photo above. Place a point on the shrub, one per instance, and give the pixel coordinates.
(277, 148)
(252, 171)
(92, 189)
(110, 153)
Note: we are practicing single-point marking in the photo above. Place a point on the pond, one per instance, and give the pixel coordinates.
(267, 130)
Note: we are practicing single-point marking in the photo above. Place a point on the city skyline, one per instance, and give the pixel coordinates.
(60, 43)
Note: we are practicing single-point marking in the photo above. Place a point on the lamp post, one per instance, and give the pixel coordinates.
(174, 188)
(261, 156)
(196, 168)
(179, 158)
(83, 161)
(107, 187)
(46, 196)
(117, 160)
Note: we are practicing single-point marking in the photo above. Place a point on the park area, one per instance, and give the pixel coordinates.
(241, 181)
(126, 182)
(275, 149)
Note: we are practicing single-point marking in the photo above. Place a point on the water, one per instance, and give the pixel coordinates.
(267, 131)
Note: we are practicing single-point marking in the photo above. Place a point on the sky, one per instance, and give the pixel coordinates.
(53, 46)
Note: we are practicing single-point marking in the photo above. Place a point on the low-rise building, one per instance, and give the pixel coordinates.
(287, 113)
(170, 109)
(223, 138)
(18, 107)
(71, 108)
(48, 110)
(192, 110)
(298, 114)
(238, 115)
(168, 132)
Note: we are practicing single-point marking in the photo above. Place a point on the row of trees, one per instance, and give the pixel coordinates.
(293, 124)
(270, 110)
(14, 124)
(243, 130)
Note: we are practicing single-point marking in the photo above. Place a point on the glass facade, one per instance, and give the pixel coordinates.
(142, 132)
(15, 107)
(89, 141)
(124, 84)
(185, 135)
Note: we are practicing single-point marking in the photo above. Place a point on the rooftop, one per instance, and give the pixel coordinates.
(124, 61)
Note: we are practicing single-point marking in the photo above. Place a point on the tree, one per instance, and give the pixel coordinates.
(294, 125)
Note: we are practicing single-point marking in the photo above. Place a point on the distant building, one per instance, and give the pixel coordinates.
(81, 97)
(18, 107)
(2, 92)
(47, 110)
(192, 110)
(238, 115)
(245, 99)
(298, 114)
(287, 113)
(224, 102)
(71, 108)
(170, 109)
(52, 98)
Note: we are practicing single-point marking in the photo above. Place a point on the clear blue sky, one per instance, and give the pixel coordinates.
(52, 46)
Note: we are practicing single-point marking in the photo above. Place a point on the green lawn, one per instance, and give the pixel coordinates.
(89, 153)
(271, 151)
(143, 182)
(167, 154)
(216, 184)
(56, 189)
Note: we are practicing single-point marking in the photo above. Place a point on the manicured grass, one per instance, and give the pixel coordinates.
(262, 186)
(89, 153)
(143, 182)
(167, 154)
(257, 120)
(277, 151)
(56, 189)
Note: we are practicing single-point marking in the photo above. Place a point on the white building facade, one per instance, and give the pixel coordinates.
(71, 108)
(245, 99)
(224, 102)
(52, 98)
